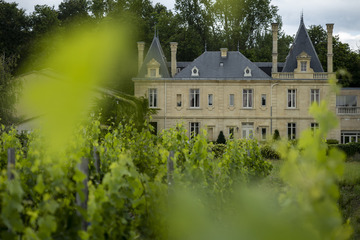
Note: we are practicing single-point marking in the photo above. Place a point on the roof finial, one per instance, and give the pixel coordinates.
(155, 30)
(205, 47)
(302, 16)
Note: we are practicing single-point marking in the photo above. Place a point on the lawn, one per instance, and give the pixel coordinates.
(349, 185)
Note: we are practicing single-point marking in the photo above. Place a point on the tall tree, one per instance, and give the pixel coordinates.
(244, 21)
(44, 19)
(194, 20)
(7, 90)
(14, 29)
(73, 10)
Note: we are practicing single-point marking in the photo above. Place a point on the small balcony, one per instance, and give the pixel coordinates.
(347, 110)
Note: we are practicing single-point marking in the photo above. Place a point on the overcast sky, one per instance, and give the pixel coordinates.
(343, 13)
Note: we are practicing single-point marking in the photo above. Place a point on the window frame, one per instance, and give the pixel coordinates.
(231, 100)
(315, 95)
(263, 137)
(303, 66)
(153, 101)
(231, 132)
(291, 129)
(314, 126)
(194, 128)
(177, 100)
(248, 98)
(263, 98)
(291, 98)
(210, 99)
(194, 98)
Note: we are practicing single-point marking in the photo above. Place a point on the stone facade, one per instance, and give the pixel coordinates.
(224, 91)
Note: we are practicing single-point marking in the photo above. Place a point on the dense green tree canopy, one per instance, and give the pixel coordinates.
(14, 29)
(197, 25)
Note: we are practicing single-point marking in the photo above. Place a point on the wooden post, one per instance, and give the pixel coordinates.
(11, 163)
(97, 160)
(84, 168)
(170, 168)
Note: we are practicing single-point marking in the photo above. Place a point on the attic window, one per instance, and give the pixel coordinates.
(303, 66)
(247, 72)
(153, 69)
(221, 64)
(195, 72)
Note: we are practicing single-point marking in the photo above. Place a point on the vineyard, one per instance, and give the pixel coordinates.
(119, 182)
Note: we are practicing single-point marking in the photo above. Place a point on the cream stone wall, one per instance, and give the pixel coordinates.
(221, 116)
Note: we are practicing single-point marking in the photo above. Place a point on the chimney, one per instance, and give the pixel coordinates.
(173, 47)
(141, 47)
(275, 27)
(224, 52)
(330, 54)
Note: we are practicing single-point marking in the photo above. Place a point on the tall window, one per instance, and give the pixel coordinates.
(291, 98)
(178, 100)
(231, 100)
(315, 96)
(291, 131)
(231, 132)
(210, 99)
(263, 133)
(263, 100)
(194, 98)
(152, 72)
(346, 101)
(247, 98)
(194, 129)
(314, 126)
(152, 97)
(303, 66)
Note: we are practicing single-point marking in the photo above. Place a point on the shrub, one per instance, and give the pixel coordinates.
(268, 152)
(332, 141)
(221, 138)
(350, 149)
(276, 135)
(218, 150)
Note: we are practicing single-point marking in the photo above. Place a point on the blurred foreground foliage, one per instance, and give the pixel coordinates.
(204, 197)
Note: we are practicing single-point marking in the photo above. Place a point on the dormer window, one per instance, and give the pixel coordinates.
(153, 69)
(303, 66)
(247, 72)
(303, 63)
(221, 64)
(223, 52)
(152, 72)
(195, 72)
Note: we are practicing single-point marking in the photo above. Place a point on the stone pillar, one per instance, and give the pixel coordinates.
(141, 47)
(275, 27)
(173, 47)
(330, 54)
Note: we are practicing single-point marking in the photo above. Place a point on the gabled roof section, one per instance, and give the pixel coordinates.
(301, 44)
(155, 52)
(211, 65)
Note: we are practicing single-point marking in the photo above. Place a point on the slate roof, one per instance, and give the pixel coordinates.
(267, 66)
(234, 65)
(302, 43)
(156, 52)
(179, 64)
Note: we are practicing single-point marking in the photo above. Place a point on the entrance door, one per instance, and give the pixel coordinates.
(248, 130)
